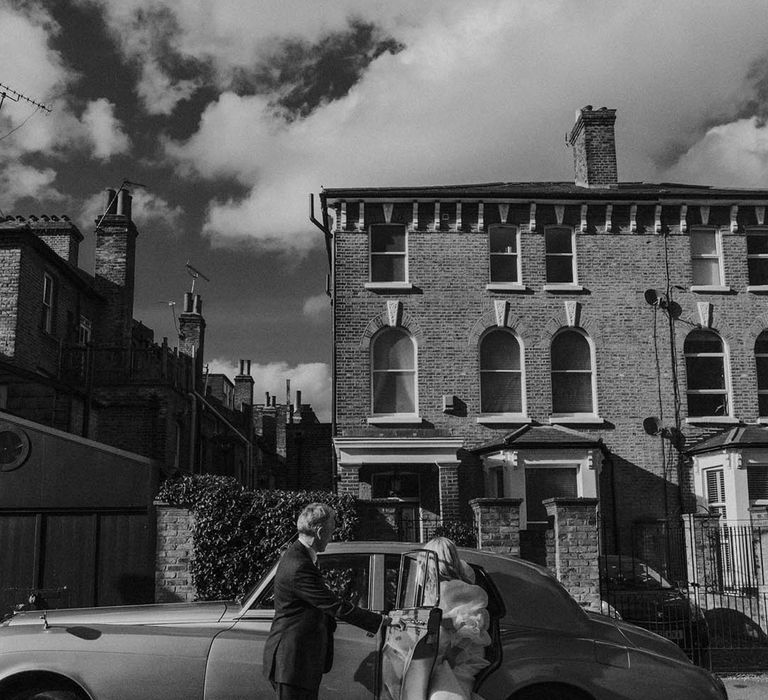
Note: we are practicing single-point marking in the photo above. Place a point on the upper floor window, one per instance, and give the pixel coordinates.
(705, 372)
(394, 372)
(761, 360)
(389, 253)
(706, 258)
(48, 303)
(84, 331)
(504, 254)
(572, 376)
(501, 377)
(757, 256)
(559, 247)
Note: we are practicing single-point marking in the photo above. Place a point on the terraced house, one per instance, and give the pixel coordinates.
(520, 341)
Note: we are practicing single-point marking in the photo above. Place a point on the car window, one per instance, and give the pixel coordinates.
(347, 575)
(633, 574)
(391, 575)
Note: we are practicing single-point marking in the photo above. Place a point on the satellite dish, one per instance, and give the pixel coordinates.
(651, 297)
(651, 425)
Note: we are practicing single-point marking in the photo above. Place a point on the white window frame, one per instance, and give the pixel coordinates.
(48, 303)
(756, 231)
(507, 416)
(411, 417)
(764, 391)
(727, 391)
(585, 418)
(559, 286)
(501, 285)
(388, 284)
(84, 330)
(717, 255)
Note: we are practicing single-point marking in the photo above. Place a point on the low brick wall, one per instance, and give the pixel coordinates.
(173, 580)
(498, 524)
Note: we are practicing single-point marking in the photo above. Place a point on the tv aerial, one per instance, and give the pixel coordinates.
(172, 306)
(194, 273)
(15, 96)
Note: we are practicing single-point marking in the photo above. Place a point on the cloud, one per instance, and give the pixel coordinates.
(312, 379)
(147, 210)
(103, 130)
(317, 308)
(18, 181)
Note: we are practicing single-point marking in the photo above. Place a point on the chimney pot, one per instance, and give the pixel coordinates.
(187, 302)
(124, 203)
(110, 206)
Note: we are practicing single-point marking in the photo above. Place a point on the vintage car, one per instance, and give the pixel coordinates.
(545, 646)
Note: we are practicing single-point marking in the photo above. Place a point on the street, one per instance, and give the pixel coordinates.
(746, 686)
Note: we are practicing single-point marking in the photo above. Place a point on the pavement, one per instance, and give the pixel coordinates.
(746, 686)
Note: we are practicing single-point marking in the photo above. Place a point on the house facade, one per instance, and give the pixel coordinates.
(531, 340)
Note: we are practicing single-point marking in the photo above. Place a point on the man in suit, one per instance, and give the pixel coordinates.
(299, 649)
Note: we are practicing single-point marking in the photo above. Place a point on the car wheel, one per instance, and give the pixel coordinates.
(46, 694)
(550, 691)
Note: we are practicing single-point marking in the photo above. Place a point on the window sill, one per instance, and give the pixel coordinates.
(504, 419)
(762, 419)
(388, 286)
(399, 418)
(710, 288)
(758, 288)
(563, 288)
(576, 418)
(505, 287)
(712, 420)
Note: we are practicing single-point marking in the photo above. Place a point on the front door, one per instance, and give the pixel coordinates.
(411, 643)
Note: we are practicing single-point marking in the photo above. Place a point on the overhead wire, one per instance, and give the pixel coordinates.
(16, 128)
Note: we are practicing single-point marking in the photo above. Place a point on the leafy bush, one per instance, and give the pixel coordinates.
(239, 534)
(463, 534)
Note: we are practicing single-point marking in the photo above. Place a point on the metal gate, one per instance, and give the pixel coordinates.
(76, 558)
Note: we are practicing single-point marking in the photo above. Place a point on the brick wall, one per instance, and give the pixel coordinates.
(173, 581)
(498, 524)
(450, 307)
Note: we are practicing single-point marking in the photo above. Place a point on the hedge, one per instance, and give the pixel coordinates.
(239, 534)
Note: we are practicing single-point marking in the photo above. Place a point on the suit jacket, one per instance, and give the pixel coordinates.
(299, 648)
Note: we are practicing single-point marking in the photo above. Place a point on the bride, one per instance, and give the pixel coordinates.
(464, 633)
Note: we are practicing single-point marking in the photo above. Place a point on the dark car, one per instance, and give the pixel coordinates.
(642, 596)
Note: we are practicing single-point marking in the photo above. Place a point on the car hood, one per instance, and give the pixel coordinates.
(614, 631)
(162, 614)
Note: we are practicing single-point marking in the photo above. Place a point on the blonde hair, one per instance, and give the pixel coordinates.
(315, 515)
(449, 565)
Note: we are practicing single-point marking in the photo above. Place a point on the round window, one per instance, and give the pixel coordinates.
(14, 447)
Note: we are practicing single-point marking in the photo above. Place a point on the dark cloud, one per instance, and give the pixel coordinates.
(303, 76)
(756, 105)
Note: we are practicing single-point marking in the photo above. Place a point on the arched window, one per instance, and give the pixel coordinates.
(501, 377)
(761, 359)
(705, 371)
(572, 386)
(394, 372)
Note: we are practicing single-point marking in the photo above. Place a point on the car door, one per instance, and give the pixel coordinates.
(235, 660)
(411, 641)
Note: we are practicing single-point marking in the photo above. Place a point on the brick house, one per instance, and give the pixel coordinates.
(539, 340)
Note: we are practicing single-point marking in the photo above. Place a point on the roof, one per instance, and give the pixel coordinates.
(550, 190)
(738, 437)
(541, 437)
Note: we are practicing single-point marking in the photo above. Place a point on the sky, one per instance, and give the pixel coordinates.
(232, 112)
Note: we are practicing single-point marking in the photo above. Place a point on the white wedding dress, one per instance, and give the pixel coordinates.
(463, 639)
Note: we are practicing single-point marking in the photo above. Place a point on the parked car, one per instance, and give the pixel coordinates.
(544, 644)
(641, 595)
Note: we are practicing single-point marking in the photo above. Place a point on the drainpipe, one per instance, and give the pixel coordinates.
(193, 433)
(330, 249)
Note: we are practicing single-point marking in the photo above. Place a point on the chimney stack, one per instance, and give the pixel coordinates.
(594, 148)
(244, 386)
(192, 332)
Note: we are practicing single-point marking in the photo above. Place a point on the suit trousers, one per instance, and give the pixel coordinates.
(286, 691)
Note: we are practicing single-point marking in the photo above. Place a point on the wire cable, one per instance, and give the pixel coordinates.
(5, 136)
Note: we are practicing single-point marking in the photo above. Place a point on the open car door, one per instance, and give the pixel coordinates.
(411, 641)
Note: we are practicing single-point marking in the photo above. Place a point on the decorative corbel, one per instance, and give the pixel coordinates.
(394, 312)
(760, 215)
(734, 220)
(343, 217)
(608, 216)
(387, 207)
(503, 213)
(737, 461)
(572, 313)
(705, 314)
(559, 213)
(480, 216)
(583, 218)
(704, 212)
(501, 309)
(361, 216)
(458, 216)
(532, 217)
(415, 216)
(657, 219)
(683, 218)
(510, 457)
(633, 218)
(436, 222)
